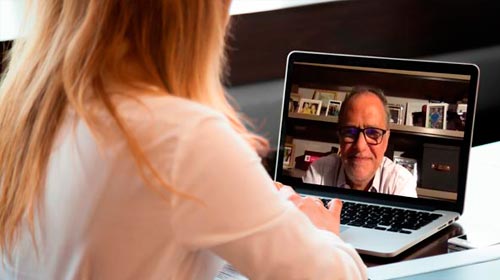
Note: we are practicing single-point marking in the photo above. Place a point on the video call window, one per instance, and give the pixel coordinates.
(427, 113)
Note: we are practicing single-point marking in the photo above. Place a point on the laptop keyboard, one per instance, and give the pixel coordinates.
(383, 217)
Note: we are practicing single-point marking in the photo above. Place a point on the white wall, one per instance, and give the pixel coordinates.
(11, 12)
(254, 6)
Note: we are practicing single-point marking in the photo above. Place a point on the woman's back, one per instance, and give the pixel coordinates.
(97, 217)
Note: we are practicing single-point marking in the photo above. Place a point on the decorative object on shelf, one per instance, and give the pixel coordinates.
(408, 163)
(461, 109)
(333, 108)
(309, 106)
(293, 104)
(397, 113)
(462, 115)
(456, 116)
(326, 95)
(413, 111)
(288, 153)
(435, 115)
(306, 92)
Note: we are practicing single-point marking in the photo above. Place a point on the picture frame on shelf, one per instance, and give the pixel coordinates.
(309, 106)
(288, 153)
(396, 113)
(333, 108)
(414, 113)
(435, 115)
(326, 95)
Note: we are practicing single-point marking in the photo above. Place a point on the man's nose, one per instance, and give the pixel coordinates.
(361, 142)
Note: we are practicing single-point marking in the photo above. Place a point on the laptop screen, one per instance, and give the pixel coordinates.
(411, 147)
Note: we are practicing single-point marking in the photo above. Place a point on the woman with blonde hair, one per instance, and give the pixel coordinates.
(121, 157)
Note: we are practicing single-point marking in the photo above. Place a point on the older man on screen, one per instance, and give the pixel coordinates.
(363, 136)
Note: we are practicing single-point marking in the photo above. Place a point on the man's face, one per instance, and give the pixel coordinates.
(361, 159)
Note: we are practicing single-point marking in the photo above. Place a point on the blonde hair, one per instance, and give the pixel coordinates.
(61, 61)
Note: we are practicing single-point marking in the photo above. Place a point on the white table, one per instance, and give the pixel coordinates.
(482, 197)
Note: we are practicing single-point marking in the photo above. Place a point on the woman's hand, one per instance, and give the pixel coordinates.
(323, 218)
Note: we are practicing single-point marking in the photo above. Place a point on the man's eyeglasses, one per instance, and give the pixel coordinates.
(350, 134)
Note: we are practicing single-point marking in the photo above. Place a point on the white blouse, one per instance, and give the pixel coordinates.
(98, 220)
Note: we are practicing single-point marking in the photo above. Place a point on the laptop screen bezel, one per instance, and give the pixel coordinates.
(383, 63)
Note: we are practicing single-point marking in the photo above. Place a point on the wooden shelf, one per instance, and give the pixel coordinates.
(453, 134)
(427, 131)
(321, 118)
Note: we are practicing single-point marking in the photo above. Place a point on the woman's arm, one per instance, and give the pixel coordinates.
(245, 220)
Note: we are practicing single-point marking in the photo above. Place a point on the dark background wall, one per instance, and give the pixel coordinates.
(396, 28)
(455, 30)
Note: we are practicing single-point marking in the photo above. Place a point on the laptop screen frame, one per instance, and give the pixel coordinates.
(383, 63)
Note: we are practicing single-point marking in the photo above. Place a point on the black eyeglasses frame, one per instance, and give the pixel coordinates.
(359, 130)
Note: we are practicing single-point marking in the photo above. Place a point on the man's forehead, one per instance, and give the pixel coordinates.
(365, 96)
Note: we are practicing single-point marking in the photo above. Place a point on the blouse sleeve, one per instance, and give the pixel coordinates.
(242, 218)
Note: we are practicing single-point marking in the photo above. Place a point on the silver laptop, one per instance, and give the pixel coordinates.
(431, 106)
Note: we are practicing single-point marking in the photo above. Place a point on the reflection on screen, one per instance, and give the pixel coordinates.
(427, 121)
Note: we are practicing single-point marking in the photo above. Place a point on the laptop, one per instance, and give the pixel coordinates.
(431, 105)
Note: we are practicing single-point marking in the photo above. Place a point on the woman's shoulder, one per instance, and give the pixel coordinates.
(165, 110)
(165, 105)
(153, 117)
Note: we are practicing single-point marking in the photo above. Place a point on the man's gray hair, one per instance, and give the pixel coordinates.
(357, 90)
